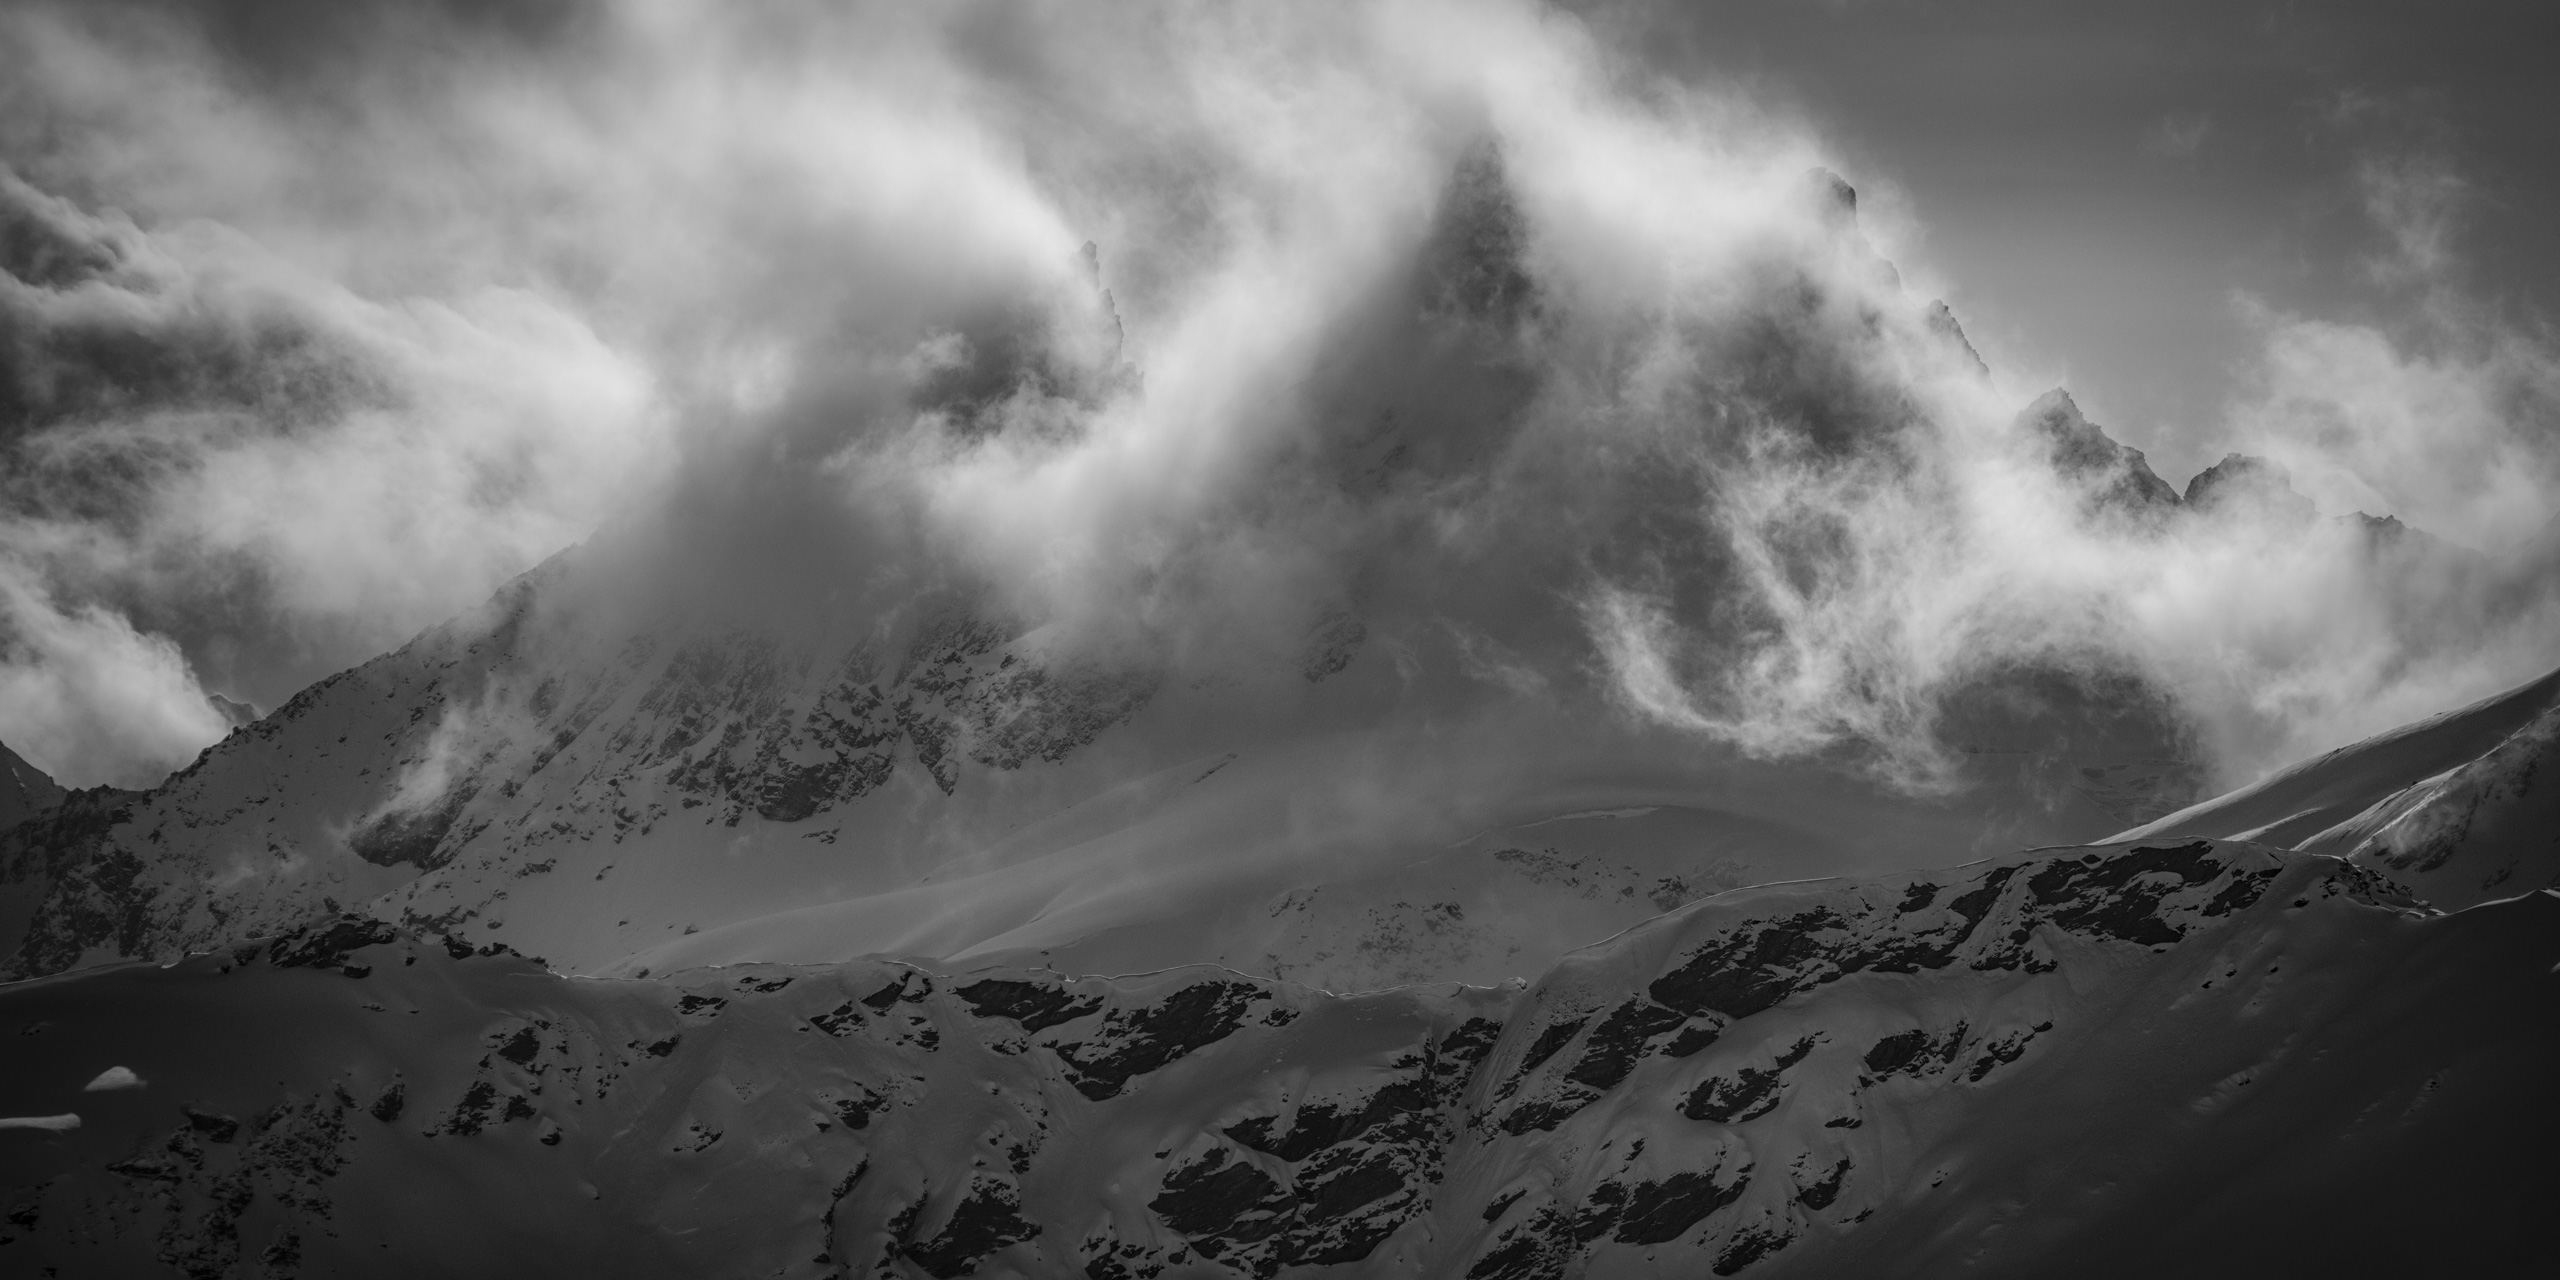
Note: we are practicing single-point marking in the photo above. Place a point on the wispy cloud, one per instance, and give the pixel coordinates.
(1417, 307)
(2177, 135)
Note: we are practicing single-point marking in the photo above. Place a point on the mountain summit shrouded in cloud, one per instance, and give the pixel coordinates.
(320, 330)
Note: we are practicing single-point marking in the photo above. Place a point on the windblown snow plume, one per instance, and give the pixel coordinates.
(1178, 326)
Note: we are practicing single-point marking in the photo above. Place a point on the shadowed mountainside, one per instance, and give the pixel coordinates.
(2110, 1061)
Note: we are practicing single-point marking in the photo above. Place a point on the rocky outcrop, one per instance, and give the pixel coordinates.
(2241, 482)
(498, 739)
(2113, 479)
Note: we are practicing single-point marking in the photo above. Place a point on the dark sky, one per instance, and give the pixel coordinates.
(2093, 182)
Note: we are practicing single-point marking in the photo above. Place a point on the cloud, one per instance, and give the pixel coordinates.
(2417, 200)
(1428, 313)
(206, 430)
(90, 698)
(2454, 427)
(253, 466)
(2177, 135)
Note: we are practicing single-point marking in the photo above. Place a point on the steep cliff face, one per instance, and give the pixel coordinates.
(2020, 1067)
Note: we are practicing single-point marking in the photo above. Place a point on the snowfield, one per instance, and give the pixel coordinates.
(2194, 1057)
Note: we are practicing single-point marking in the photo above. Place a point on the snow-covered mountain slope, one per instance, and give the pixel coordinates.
(1505, 903)
(485, 731)
(2188, 1058)
(2457, 809)
(916, 779)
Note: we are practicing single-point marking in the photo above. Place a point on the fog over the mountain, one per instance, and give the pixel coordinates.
(1182, 327)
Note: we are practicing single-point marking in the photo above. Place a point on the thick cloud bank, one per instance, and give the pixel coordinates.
(1177, 325)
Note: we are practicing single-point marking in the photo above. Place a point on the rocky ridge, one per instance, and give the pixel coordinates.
(489, 739)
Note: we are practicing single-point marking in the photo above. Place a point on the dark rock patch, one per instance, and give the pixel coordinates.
(1133, 1042)
(2003, 1051)
(1620, 1038)
(1914, 1052)
(841, 1021)
(1750, 1245)
(1548, 1042)
(1219, 1202)
(1750, 1093)
(1660, 1212)
(1819, 1193)
(328, 945)
(1033, 1005)
(215, 1128)
(988, 1219)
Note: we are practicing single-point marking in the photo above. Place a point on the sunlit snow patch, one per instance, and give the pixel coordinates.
(113, 1078)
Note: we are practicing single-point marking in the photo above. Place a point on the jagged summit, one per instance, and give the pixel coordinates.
(2251, 483)
(1835, 208)
(2115, 477)
(1833, 195)
(1942, 321)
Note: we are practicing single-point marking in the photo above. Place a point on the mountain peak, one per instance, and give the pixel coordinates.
(2113, 476)
(1942, 322)
(2262, 484)
(1832, 194)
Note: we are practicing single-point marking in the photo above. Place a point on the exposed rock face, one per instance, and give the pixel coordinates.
(1942, 321)
(484, 736)
(71, 891)
(1835, 1077)
(2253, 484)
(2114, 478)
(2116, 482)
